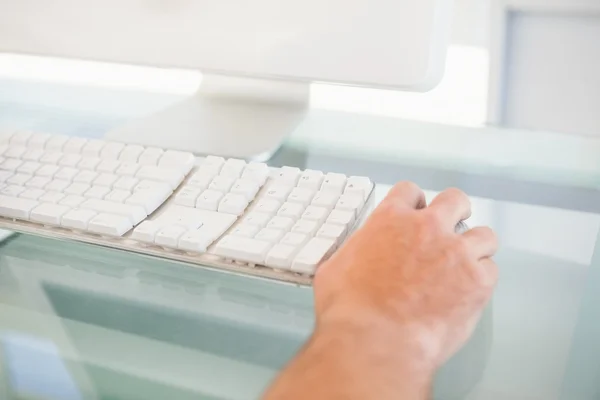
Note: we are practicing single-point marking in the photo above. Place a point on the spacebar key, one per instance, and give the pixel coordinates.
(13, 207)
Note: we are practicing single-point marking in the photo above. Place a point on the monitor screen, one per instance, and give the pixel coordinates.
(378, 43)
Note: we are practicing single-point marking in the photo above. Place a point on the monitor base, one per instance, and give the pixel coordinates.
(228, 116)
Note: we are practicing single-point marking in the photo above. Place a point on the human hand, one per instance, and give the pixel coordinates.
(408, 279)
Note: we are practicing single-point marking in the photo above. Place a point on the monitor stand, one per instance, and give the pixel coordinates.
(229, 116)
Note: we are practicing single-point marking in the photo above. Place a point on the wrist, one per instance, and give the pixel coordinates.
(388, 342)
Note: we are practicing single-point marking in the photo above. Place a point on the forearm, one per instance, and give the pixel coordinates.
(355, 363)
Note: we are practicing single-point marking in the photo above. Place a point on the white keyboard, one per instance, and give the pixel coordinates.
(246, 217)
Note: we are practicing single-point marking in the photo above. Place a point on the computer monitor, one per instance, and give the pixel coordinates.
(258, 57)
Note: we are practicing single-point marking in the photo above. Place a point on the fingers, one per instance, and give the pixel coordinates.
(407, 194)
(451, 206)
(482, 242)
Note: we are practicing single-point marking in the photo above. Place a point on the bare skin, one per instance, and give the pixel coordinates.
(395, 302)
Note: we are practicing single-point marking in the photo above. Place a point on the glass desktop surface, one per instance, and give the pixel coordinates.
(84, 322)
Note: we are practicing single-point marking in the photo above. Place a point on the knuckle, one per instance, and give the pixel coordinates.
(404, 187)
(456, 192)
(429, 223)
(461, 248)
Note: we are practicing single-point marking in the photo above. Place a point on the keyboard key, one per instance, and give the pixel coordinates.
(20, 138)
(19, 179)
(109, 224)
(221, 184)
(334, 183)
(56, 142)
(243, 249)
(128, 169)
(131, 153)
(10, 164)
(246, 188)
(318, 214)
(150, 156)
(51, 197)
(268, 205)
(169, 235)
(146, 185)
(201, 179)
(86, 177)
(111, 151)
(301, 195)
(48, 213)
(190, 218)
(4, 175)
(295, 239)
(177, 160)
(305, 227)
(97, 192)
(233, 204)
(245, 230)
(77, 219)
(12, 190)
(326, 199)
(33, 155)
(77, 189)
(233, 168)
(291, 210)
(29, 167)
(66, 173)
(167, 175)
(57, 185)
(339, 217)
(213, 163)
(212, 224)
(270, 235)
(15, 152)
(281, 256)
(350, 202)
(287, 176)
(258, 219)
(106, 179)
(277, 192)
(257, 172)
(69, 160)
(117, 195)
(108, 166)
(195, 241)
(359, 185)
(150, 200)
(126, 183)
(311, 255)
(135, 213)
(32, 194)
(72, 201)
(47, 170)
(330, 231)
(13, 207)
(89, 163)
(311, 179)
(74, 145)
(38, 140)
(209, 200)
(146, 231)
(38, 182)
(92, 148)
(281, 223)
(51, 157)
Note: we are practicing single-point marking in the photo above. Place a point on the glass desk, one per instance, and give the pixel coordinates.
(84, 322)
